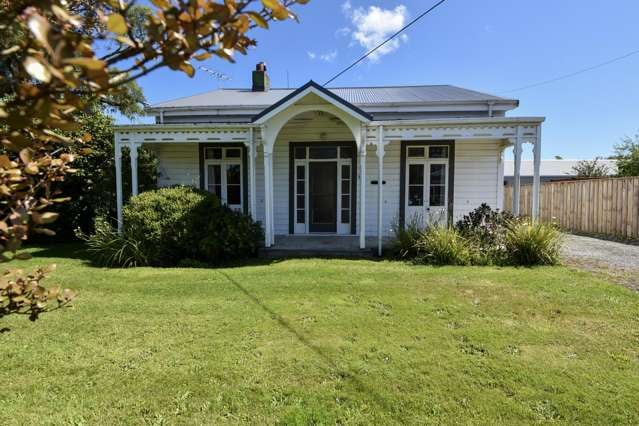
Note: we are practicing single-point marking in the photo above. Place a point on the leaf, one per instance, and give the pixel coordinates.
(25, 156)
(36, 69)
(88, 63)
(44, 218)
(162, 4)
(39, 27)
(187, 68)
(203, 56)
(117, 24)
(258, 19)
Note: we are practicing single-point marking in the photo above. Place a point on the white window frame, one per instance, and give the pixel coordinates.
(426, 161)
(224, 162)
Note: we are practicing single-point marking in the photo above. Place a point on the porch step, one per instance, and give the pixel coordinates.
(286, 253)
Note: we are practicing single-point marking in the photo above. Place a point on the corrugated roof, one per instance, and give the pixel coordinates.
(552, 167)
(353, 95)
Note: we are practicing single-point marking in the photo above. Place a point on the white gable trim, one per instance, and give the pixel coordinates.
(311, 90)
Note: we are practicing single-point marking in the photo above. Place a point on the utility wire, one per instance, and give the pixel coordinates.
(385, 41)
(572, 74)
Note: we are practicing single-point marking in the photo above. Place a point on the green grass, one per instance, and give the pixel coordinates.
(324, 342)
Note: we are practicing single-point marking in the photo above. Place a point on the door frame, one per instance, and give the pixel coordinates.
(402, 175)
(244, 162)
(291, 181)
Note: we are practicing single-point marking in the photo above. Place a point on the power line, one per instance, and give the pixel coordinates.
(572, 74)
(385, 41)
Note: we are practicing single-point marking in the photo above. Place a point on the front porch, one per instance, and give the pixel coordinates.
(334, 246)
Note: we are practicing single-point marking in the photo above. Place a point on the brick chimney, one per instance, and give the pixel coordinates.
(261, 81)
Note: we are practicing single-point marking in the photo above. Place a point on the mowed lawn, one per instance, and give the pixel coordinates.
(324, 342)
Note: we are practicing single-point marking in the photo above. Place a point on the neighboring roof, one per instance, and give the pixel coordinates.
(353, 95)
(555, 168)
(309, 87)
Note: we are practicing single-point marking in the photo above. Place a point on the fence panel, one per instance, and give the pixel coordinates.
(608, 206)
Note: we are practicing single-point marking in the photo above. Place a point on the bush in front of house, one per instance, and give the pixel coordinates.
(486, 229)
(170, 226)
(110, 248)
(444, 246)
(483, 237)
(168, 223)
(229, 235)
(406, 238)
(529, 243)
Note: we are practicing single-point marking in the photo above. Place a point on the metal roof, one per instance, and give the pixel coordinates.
(552, 167)
(353, 95)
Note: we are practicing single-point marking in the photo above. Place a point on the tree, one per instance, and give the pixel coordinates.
(51, 71)
(591, 168)
(627, 156)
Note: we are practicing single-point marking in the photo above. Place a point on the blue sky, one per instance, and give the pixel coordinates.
(491, 46)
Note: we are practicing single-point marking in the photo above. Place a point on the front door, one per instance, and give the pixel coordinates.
(322, 182)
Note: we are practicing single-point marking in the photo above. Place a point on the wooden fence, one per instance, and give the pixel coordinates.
(607, 206)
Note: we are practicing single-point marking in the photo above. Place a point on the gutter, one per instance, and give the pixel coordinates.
(457, 121)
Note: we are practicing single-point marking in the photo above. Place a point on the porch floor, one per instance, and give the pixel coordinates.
(346, 246)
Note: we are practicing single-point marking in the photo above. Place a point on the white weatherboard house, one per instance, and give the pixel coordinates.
(345, 161)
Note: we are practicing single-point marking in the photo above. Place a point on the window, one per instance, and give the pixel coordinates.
(438, 152)
(300, 182)
(233, 184)
(437, 187)
(223, 174)
(416, 185)
(418, 152)
(346, 193)
(346, 152)
(322, 152)
(213, 153)
(214, 181)
(233, 153)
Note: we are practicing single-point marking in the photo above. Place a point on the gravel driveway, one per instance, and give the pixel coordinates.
(617, 260)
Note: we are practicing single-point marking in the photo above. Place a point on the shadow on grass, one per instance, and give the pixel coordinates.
(72, 250)
(357, 383)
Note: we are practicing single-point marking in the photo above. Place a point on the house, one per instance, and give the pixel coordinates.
(347, 161)
(549, 170)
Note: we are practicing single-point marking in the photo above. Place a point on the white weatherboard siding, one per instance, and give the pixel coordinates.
(476, 172)
(476, 175)
(178, 163)
(390, 190)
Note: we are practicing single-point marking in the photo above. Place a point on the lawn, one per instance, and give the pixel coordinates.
(324, 342)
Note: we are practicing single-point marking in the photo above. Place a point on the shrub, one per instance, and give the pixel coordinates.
(406, 238)
(444, 246)
(109, 248)
(532, 243)
(168, 222)
(175, 226)
(484, 224)
(230, 235)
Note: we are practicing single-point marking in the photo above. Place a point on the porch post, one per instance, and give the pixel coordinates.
(118, 181)
(536, 177)
(252, 151)
(271, 197)
(268, 161)
(517, 173)
(134, 168)
(362, 193)
(500, 179)
(380, 186)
